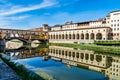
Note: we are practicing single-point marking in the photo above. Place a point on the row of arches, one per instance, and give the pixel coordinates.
(78, 55)
(86, 36)
(16, 35)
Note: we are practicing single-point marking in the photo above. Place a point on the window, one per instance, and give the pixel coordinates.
(114, 34)
(111, 25)
(117, 24)
(117, 66)
(117, 34)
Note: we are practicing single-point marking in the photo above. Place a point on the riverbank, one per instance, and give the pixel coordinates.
(6, 73)
(20, 70)
(108, 43)
(96, 48)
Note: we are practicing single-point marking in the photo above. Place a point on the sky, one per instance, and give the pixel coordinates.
(29, 14)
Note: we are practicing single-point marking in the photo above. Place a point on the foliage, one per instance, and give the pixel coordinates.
(82, 55)
(45, 75)
(22, 71)
(42, 36)
(96, 48)
(107, 42)
(77, 55)
(86, 56)
(98, 58)
(91, 57)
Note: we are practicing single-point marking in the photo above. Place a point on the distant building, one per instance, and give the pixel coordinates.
(44, 27)
(37, 29)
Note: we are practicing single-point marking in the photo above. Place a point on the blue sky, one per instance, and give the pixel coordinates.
(27, 14)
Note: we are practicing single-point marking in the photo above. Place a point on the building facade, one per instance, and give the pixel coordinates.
(113, 21)
(106, 64)
(107, 28)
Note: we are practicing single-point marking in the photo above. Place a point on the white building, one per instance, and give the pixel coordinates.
(114, 23)
(69, 25)
(108, 28)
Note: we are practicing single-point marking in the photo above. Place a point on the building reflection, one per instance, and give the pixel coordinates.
(107, 64)
(27, 53)
(103, 63)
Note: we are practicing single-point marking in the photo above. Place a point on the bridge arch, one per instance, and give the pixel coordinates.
(17, 38)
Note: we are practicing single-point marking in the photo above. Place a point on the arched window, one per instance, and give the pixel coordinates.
(53, 36)
(66, 36)
(82, 36)
(56, 36)
(73, 36)
(92, 36)
(78, 36)
(59, 36)
(62, 36)
(87, 36)
(69, 36)
(99, 36)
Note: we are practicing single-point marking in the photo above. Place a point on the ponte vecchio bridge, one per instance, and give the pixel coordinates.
(23, 35)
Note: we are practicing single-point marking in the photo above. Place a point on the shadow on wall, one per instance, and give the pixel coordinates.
(2, 48)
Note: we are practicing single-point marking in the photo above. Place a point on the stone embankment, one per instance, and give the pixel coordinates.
(6, 73)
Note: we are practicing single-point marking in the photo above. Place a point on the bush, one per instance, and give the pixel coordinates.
(96, 48)
(107, 42)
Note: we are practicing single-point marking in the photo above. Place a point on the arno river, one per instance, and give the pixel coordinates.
(64, 63)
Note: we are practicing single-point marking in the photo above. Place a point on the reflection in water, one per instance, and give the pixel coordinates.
(13, 44)
(35, 43)
(73, 64)
(109, 65)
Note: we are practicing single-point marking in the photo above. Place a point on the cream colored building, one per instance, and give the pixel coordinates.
(114, 70)
(78, 33)
(113, 20)
(106, 64)
(81, 56)
(107, 28)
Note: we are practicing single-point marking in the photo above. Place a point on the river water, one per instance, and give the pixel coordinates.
(64, 63)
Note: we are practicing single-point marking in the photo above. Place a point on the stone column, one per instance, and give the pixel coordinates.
(94, 36)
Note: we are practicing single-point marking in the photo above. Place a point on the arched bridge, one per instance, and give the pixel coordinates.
(23, 35)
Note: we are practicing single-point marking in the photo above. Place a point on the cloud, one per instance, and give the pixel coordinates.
(14, 22)
(18, 9)
(14, 18)
(19, 17)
